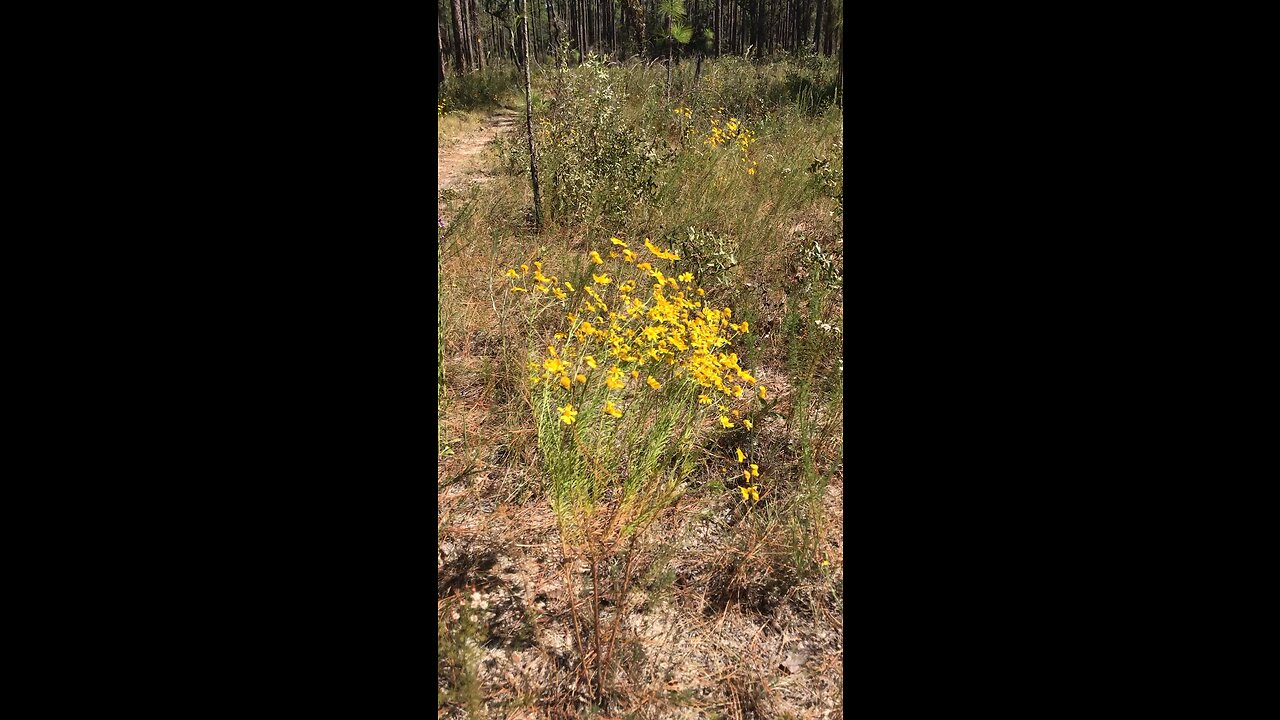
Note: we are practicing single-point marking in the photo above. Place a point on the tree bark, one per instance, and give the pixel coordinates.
(468, 44)
(817, 29)
(717, 27)
(477, 34)
(829, 29)
(759, 28)
(458, 58)
(553, 30)
(440, 53)
(528, 125)
(841, 101)
(670, 47)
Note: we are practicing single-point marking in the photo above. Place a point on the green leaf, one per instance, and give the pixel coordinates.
(681, 33)
(671, 8)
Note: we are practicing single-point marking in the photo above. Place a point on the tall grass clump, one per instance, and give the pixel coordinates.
(817, 372)
(639, 378)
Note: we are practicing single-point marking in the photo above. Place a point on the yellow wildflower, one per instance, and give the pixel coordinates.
(518, 289)
(567, 414)
(553, 365)
(512, 274)
(653, 383)
(614, 381)
(645, 266)
(602, 279)
(524, 269)
(747, 422)
(591, 362)
(560, 294)
(568, 285)
(595, 258)
(762, 392)
(628, 256)
(580, 378)
(704, 400)
(686, 277)
(725, 421)
(611, 410)
(741, 457)
(564, 382)
(755, 470)
(746, 475)
(664, 254)
(618, 242)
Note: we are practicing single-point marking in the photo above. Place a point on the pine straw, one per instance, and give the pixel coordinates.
(722, 638)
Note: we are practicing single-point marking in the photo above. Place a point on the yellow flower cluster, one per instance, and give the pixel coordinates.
(635, 325)
(735, 132)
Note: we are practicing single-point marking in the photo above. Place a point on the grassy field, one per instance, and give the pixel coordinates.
(641, 492)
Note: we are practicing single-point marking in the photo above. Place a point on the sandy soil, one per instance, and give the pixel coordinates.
(459, 162)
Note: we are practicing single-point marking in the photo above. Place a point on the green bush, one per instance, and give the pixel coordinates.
(477, 90)
(595, 164)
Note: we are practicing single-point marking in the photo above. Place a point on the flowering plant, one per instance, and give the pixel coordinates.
(640, 373)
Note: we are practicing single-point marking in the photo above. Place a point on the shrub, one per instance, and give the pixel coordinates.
(594, 162)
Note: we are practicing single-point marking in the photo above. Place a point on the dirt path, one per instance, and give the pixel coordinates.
(458, 163)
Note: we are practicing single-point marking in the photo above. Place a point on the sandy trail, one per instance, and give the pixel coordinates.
(458, 163)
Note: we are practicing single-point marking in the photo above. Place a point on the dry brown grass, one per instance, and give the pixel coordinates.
(724, 636)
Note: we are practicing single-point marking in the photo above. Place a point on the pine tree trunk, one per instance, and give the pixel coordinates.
(458, 58)
(528, 125)
(841, 102)
(817, 29)
(759, 27)
(670, 49)
(553, 30)
(827, 44)
(477, 34)
(440, 52)
(468, 44)
(717, 28)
